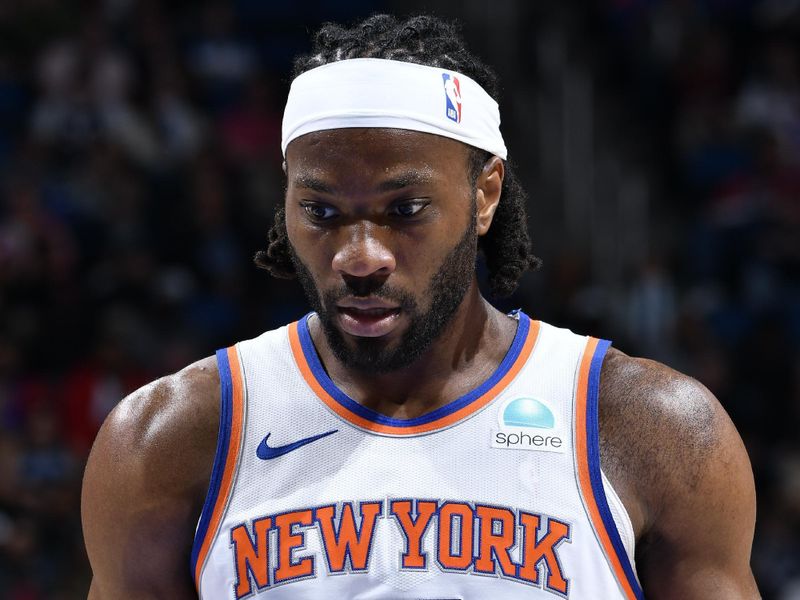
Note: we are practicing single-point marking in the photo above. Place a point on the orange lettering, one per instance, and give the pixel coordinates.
(536, 550)
(449, 559)
(348, 541)
(495, 545)
(251, 559)
(288, 540)
(413, 530)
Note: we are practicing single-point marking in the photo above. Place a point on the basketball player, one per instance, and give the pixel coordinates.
(405, 439)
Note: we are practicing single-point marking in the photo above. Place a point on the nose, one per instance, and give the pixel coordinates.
(363, 252)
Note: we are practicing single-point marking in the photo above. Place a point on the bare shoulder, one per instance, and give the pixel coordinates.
(173, 410)
(680, 467)
(145, 482)
(657, 427)
(168, 423)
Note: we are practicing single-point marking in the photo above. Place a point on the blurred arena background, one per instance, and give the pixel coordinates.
(140, 167)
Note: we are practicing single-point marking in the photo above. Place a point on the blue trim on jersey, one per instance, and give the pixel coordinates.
(221, 455)
(593, 453)
(321, 376)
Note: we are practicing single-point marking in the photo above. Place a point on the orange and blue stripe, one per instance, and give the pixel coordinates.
(454, 412)
(226, 459)
(587, 449)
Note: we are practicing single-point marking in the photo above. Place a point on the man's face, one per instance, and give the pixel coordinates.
(381, 224)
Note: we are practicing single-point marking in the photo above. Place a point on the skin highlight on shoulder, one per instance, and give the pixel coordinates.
(146, 480)
(650, 413)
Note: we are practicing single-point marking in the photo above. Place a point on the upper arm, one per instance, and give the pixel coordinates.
(694, 488)
(144, 485)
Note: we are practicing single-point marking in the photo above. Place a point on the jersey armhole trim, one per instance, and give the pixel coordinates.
(225, 460)
(587, 447)
(621, 518)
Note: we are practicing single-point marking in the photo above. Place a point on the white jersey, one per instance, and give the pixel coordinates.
(497, 494)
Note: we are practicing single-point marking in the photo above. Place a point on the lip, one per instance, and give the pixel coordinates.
(368, 317)
(366, 303)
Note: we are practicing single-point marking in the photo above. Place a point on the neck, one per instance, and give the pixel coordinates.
(466, 353)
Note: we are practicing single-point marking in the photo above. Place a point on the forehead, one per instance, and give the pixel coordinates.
(375, 151)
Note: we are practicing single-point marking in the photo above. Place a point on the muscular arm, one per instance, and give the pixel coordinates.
(681, 469)
(145, 483)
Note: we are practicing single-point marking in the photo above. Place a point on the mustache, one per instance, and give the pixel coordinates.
(363, 289)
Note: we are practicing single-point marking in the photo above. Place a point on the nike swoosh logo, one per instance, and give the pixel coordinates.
(267, 452)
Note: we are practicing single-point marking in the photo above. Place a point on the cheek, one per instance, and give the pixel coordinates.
(419, 258)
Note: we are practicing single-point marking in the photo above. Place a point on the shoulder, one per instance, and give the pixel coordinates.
(680, 467)
(146, 479)
(659, 430)
(174, 418)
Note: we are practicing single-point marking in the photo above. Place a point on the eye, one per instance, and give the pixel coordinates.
(410, 208)
(318, 211)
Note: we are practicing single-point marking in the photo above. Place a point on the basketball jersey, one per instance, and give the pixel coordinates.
(496, 494)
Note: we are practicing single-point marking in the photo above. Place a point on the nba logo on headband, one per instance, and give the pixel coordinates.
(452, 94)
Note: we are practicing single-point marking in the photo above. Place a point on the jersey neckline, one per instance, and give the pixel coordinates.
(455, 411)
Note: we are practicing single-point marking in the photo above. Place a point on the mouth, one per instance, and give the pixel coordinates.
(368, 321)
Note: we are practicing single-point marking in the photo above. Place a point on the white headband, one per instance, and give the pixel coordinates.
(373, 92)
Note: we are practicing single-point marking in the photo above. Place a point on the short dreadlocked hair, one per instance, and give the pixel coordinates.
(428, 41)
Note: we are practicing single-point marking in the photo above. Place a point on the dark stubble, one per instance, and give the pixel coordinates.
(447, 289)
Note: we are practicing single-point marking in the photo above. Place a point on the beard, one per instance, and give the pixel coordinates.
(446, 289)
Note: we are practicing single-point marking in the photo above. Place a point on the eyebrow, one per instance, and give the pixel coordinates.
(312, 183)
(398, 182)
(404, 180)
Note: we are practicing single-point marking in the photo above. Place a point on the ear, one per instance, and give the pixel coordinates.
(489, 187)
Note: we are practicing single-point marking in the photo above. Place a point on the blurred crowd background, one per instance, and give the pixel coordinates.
(140, 169)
